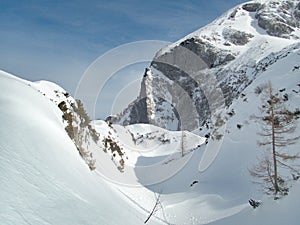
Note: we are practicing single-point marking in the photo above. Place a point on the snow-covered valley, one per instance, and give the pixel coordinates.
(44, 179)
(58, 167)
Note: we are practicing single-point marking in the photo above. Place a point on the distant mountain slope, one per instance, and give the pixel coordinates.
(215, 185)
(44, 180)
(58, 167)
(188, 81)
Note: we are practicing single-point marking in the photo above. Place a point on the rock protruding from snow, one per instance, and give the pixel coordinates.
(252, 7)
(149, 96)
(236, 37)
(81, 129)
(43, 179)
(192, 77)
(211, 55)
(277, 18)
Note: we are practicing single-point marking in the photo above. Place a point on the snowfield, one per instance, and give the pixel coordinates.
(45, 179)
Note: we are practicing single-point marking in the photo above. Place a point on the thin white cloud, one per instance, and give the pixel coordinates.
(57, 40)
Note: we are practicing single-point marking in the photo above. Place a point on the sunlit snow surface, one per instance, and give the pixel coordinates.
(45, 181)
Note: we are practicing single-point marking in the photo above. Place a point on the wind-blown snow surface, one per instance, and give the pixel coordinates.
(223, 187)
(43, 179)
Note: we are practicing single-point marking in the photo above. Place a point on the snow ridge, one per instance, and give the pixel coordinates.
(229, 49)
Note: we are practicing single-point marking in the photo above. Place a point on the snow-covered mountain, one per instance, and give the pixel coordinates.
(43, 178)
(191, 79)
(52, 152)
(58, 167)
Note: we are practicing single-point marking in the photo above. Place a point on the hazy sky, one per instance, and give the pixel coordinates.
(57, 40)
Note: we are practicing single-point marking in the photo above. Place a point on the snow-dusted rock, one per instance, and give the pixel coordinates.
(207, 69)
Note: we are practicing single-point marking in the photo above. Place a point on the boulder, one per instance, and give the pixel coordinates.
(251, 7)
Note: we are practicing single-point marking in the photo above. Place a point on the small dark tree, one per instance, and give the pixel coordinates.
(183, 136)
(277, 129)
(154, 209)
(219, 122)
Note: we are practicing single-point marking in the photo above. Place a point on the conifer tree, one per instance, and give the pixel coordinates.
(277, 129)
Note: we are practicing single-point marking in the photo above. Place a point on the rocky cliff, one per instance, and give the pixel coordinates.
(191, 80)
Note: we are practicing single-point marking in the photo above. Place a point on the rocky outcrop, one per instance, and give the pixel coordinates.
(252, 7)
(190, 80)
(211, 55)
(136, 112)
(297, 12)
(236, 37)
(277, 18)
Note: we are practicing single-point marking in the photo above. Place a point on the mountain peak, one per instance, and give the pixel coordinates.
(225, 55)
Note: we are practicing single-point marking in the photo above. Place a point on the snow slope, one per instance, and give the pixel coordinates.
(45, 181)
(224, 186)
(43, 178)
(242, 145)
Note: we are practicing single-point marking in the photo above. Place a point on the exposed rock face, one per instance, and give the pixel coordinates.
(297, 12)
(209, 54)
(136, 112)
(251, 7)
(277, 17)
(190, 80)
(236, 37)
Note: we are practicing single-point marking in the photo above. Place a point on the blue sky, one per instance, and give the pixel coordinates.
(57, 40)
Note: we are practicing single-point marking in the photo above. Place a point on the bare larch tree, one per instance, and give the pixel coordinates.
(277, 129)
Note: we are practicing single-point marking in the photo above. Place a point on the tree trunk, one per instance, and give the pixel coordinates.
(153, 209)
(182, 144)
(276, 187)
